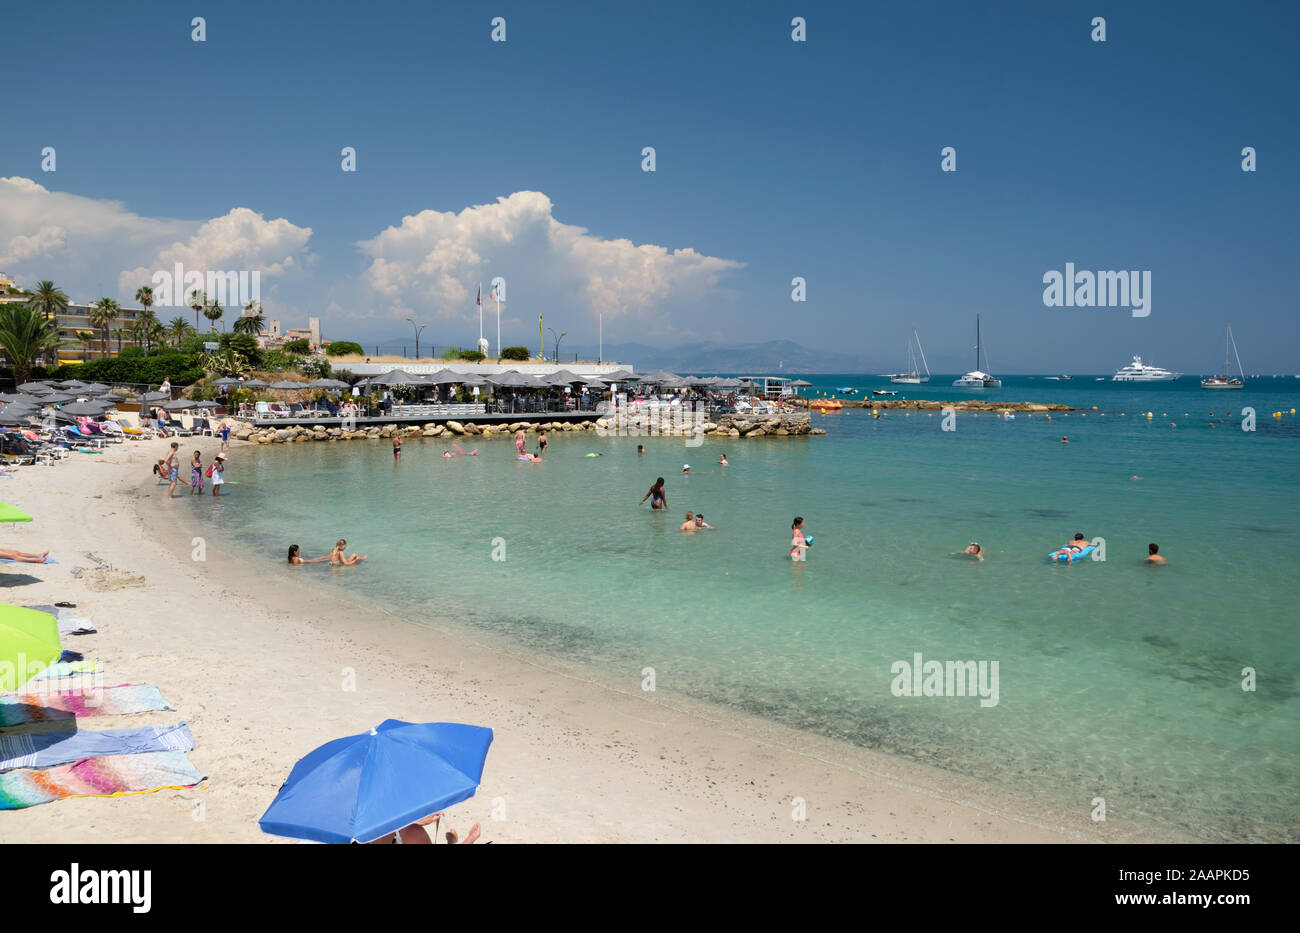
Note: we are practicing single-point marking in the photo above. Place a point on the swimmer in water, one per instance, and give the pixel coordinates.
(447, 455)
(529, 458)
(798, 541)
(296, 559)
(972, 550)
(723, 460)
(657, 496)
(1135, 477)
(1153, 555)
(700, 522)
(688, 526)
(1065, 440)
(340, 558)
(1071, 549)
(640, 449)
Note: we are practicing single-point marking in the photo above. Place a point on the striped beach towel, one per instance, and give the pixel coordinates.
(47, 749)
(108, 776)
(17, 708)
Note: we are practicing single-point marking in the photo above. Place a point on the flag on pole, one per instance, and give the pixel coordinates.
(479, 300)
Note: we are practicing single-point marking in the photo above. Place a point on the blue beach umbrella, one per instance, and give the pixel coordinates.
(365, 786)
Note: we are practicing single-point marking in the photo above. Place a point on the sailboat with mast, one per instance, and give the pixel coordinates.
(912, 376)
(977, 378)
(1227, 381)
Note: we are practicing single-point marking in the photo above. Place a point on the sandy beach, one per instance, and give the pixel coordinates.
(261, 672)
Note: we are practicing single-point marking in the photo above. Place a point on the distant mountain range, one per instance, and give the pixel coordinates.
(768, 358)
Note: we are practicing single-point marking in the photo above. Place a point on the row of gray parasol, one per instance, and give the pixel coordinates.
(73, 397)
(513, 379)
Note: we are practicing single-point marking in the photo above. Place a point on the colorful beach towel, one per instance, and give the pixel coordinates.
(68, 668)
(18, 708)
(108, 776)
(47, 749)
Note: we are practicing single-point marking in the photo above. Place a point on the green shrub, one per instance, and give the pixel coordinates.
(131, 353)
(344, 348)
(243, 344)
(277, 361)
(472, 356)
(181, 368)
(298, 347)
(515, 353)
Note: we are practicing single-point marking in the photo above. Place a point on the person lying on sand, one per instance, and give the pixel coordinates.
(1072, 549)
(23, 557)
(339, 557)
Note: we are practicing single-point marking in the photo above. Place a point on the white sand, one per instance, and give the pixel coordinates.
(258, 672)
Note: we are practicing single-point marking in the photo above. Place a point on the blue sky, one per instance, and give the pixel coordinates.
(775, 159)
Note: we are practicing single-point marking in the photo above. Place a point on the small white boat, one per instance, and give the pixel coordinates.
(977, 378)
(882, 392)
(1226, 381)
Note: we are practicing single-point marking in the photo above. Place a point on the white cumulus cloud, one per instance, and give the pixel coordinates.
(434, 260)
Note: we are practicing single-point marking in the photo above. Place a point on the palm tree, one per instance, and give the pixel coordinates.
(103, 313)
(118, 334)
(213, 311)
(144, 295)
(48, 299)
(27, 336)
(179, 330)
(143, 330)
(156, 333)
(87, 339)
(197, 300)
(251, 321)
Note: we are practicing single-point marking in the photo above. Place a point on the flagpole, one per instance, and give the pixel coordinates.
(479, 301)
(498, 294)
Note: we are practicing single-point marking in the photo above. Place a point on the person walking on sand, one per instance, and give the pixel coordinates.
(798, 541)
(217, 470)
(657, 495)
(172, 468)
(196, 473)
(339, 556)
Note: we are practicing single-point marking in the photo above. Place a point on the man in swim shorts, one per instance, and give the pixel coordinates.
(1072, 549)
(172, 468)
(397, 447)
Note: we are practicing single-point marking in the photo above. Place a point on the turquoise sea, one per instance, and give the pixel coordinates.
(1117, 679)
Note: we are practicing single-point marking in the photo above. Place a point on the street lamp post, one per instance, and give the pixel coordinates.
(558, 338)
(417, 337)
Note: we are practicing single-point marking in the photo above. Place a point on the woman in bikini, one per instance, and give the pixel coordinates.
(297, 560)
(657, 495)
(339, 557)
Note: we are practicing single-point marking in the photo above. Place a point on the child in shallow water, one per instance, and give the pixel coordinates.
(196, 473)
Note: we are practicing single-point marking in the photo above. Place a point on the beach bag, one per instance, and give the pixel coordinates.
(211, 467)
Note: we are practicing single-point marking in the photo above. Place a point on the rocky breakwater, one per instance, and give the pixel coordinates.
(723, 426)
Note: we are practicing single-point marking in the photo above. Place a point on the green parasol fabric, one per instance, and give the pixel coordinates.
(10, 514)
(29, 642)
